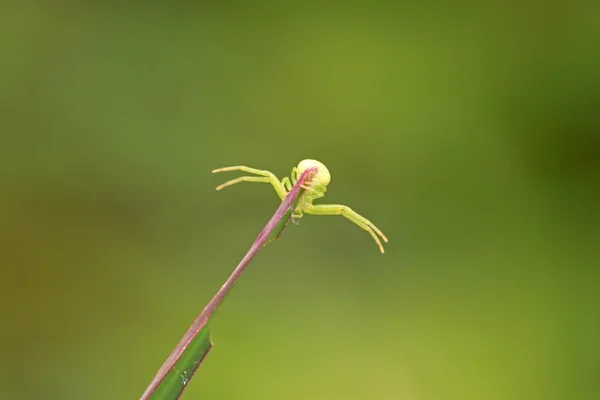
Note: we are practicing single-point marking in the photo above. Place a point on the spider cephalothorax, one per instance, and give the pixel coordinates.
(314, 189)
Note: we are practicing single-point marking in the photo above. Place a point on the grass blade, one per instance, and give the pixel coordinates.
(175, 374)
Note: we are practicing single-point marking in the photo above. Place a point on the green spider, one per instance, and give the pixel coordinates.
(314, 190)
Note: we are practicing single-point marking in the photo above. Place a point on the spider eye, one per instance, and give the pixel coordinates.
(322, 178)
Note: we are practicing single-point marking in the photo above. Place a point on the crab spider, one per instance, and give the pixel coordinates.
(315, 189)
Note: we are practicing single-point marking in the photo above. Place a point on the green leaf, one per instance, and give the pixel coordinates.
(180, 375)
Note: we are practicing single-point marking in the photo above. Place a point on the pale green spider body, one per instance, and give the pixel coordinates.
(315, 189)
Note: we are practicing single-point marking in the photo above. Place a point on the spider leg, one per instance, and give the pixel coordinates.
(294, 175)
(265, 176)
(315, 196)
(296, 215)
(336, 209)
(285, 182)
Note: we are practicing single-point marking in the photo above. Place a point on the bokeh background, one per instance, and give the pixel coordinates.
(469, 133)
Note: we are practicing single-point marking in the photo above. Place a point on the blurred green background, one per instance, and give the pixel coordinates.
(469, 133)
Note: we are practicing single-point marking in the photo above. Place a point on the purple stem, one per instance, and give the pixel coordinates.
(212, 305)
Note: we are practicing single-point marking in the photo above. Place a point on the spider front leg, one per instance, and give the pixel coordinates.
(335, 209)
(264, 176)
(285, 182)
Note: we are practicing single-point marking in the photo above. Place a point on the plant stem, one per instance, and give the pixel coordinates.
(201, 321)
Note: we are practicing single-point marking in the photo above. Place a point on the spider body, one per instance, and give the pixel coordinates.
(315, 189)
